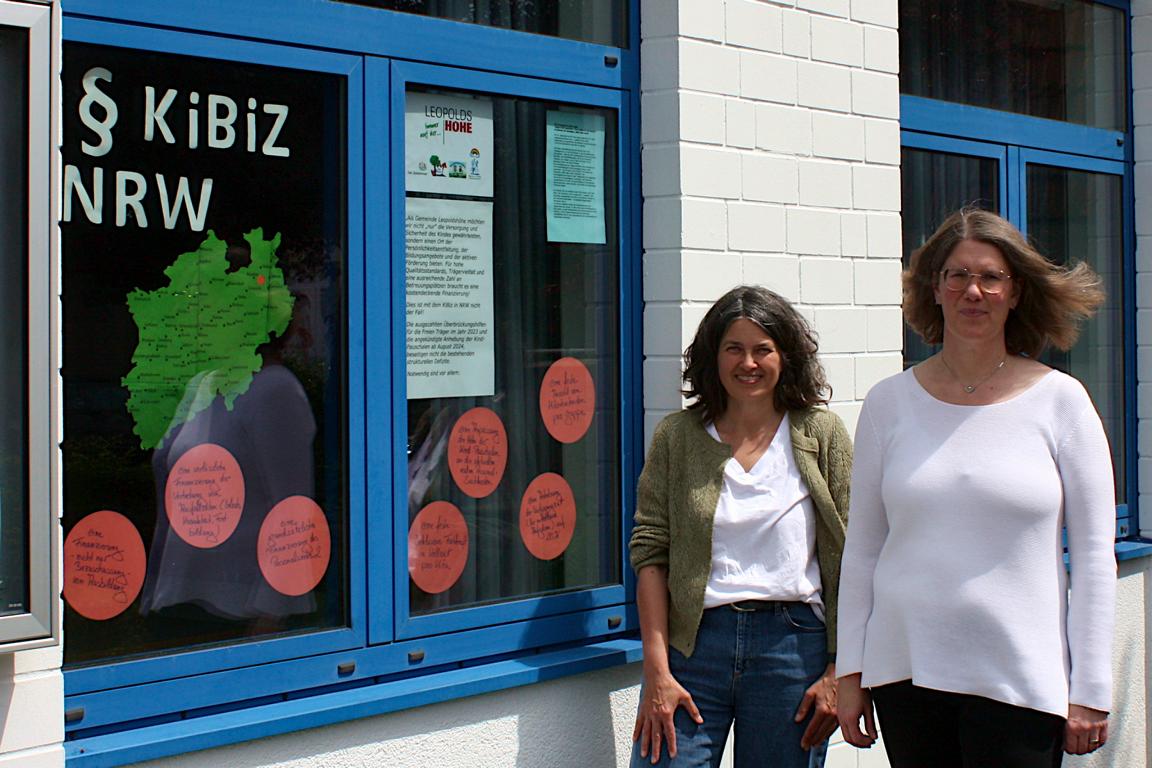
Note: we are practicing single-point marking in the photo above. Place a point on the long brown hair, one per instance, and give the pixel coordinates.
(1053, 303)
(802, 381)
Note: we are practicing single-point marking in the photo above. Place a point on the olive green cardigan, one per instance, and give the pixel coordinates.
(676, 502)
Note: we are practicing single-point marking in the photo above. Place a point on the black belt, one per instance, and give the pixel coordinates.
(753, 606)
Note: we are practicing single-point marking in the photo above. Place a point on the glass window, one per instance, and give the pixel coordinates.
(593, 21)
(1057, 59)
(14, 208)
(1078, 215)
(204, 346)
(934, 185)
(513, 325)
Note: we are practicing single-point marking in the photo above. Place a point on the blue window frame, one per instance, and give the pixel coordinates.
(382, 656)
(1024, 150)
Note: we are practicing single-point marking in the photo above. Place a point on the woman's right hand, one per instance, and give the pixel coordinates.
(854, 703)
(660, 696)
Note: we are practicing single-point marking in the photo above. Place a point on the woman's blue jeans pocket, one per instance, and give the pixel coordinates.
(751, 668)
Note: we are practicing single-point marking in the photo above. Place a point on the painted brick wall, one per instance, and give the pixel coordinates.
(1142, 122)
(771, 150)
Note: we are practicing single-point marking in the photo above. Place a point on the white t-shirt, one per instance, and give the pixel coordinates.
(764, 533)
(953, 574)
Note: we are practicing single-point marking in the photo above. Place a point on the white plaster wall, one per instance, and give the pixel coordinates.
(1128, 741)
(31, 709)
(580, 722)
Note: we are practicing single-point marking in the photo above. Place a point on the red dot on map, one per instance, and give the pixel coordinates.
(104, 563)
(567, 399)
(437, 547)
(295, 546)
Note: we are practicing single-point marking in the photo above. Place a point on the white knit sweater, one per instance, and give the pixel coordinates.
(953, 574)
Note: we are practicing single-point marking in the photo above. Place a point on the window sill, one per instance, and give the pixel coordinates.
(258, 722)
(1130, 550)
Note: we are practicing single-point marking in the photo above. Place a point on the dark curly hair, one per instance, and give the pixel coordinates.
(802, 381)
(1053, 300)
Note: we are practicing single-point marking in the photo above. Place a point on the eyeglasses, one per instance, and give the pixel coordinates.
(991, 283)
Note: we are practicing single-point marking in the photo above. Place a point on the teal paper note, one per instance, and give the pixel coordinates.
(575, 177)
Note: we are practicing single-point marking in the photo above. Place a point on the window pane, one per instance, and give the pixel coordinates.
(203, 342)
(1059, 59)
(594, 21)
(934, 184)
(519, 498)
(14, 332)
(1077, 215)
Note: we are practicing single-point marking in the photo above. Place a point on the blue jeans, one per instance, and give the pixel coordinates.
(752, 667)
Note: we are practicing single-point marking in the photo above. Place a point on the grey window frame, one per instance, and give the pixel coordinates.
(39, 624)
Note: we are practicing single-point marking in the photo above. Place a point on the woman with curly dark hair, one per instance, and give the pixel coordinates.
(740, 521)
(957, 619)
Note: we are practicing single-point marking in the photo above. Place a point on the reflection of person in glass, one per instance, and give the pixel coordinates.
(269, 431)
(956, 615)
(740, 520)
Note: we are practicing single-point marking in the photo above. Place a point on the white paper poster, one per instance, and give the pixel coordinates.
(448, 282)
(575, 177)
(448, 145)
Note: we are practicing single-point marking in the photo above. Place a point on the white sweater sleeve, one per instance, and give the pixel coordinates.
(867, 531)
(1085, 467)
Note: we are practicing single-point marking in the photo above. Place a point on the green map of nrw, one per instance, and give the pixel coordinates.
(199, 334)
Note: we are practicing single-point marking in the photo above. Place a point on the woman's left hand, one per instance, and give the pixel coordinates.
(1086, 730)
(820, 700)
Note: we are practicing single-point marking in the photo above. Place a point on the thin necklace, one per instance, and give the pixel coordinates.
(970, 388)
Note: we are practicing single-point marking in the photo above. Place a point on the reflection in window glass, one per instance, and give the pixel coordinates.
(1076, 215)
(934, 184)
(593, 21)
(203, 344)
(513, 463)
(1062, 60)
(14, 332)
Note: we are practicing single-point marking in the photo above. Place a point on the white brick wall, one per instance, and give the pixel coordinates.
(1142, 123)
(771, 155)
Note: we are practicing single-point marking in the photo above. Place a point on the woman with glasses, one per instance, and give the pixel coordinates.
(740, 521)
(956, 616)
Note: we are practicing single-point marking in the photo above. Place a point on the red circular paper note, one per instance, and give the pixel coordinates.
(104, 565)
(437, 547)
(478, 452)
(204, 495)
(547, 516)
(294, 546)
(567, 399)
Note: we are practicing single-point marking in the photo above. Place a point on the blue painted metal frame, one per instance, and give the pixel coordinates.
(374, 665)
(339, 26)
(403, 74)
(953, 146)
(200, 661)
(1125, 513)
(968, 122)
(244, 678)
(379, 313)
(278, 717)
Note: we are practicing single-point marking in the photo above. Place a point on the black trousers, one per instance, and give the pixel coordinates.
(925, 728)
